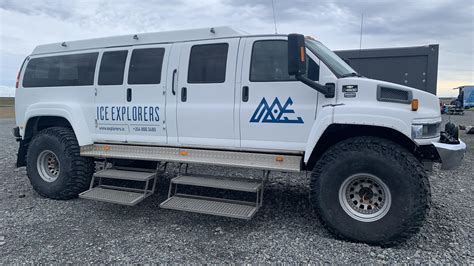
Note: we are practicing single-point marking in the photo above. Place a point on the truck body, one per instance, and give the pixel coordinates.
(415, 67)
(466, 96)
(220, 97)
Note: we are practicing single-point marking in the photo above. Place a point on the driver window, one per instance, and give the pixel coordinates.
(269, 62)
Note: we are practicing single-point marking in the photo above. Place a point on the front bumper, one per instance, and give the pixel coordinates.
(451, 155)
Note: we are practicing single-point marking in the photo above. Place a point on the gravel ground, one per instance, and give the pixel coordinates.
(39, 230)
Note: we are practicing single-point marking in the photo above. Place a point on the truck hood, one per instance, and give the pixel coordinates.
(368, 92)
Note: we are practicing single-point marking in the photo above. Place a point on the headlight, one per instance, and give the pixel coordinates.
(425, 131)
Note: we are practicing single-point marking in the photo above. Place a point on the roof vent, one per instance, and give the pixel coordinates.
(213, 31)
(135, 37)
(64, 44)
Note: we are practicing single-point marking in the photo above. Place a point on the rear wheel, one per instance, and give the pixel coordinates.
(54, 166)
(370, 190)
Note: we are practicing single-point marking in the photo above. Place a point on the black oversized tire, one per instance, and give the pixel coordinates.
(403, 175)
(75, 172)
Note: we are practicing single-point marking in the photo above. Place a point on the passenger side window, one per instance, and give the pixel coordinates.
(269, 62)
(145, 66)
(207, 63)
(112, 68)
(63, 70)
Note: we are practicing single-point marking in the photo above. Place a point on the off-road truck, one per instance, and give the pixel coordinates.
(128, 105)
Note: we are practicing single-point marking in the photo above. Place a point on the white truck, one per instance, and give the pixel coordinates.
(128, 105)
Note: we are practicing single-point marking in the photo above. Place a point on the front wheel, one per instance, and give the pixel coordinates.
(370, 190)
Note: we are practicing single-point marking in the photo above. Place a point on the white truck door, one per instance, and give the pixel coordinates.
(146, 87)
(205, 93)
(110, 97)
(276, 111)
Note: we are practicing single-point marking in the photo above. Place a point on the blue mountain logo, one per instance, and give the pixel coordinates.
(275, 113)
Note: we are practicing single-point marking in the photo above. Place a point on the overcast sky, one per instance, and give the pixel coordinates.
(27, 23)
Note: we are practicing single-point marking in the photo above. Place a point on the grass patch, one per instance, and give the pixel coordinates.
(7, 112)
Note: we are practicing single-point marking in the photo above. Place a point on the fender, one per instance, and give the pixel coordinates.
(324, 118)
(71, 112)
(393, 118)
(377, 115)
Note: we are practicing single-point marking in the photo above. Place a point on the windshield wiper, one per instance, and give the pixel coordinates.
(352, 74)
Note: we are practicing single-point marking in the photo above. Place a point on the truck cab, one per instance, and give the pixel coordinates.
(220, 97)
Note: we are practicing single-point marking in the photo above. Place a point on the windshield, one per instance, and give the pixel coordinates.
(334, 62)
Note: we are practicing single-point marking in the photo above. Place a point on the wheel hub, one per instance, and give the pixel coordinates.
(365, 197)
(48, 166)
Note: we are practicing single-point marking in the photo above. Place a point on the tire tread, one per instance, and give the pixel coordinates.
(82, 168)
(384, 147)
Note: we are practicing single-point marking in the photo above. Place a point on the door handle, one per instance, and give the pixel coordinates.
(184, 95)
(172, 82)
(245, 94)
(129, 95)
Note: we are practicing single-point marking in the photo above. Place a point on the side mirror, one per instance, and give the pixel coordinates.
(297, 65)
(296, 55)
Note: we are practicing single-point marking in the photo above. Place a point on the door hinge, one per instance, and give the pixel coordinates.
(95, 91)
(96, 124)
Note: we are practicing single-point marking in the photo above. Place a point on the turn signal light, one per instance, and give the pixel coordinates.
(184, 153)
(279, 159)
(414, 104)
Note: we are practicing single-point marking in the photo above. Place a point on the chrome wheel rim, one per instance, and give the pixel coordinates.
(365, 197)
(48, 166)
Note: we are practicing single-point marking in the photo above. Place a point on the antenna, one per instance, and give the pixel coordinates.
(274, 17)
(361, 25)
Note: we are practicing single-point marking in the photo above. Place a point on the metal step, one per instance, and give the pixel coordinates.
(212, 206)
(113, 196)
(265, 161)
(238, 184)
(125, 175)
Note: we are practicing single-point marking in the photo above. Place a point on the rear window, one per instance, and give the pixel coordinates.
(207, 63)
(145, 66)
(112, 67)
(63, 70)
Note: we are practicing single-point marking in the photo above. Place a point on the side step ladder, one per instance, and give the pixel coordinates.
(117, 194)
(211, 205)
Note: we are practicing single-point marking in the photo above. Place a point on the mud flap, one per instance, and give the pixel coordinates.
(21, 156)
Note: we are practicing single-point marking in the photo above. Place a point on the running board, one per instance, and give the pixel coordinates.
(211, 205)
(264, 161)
(116, 196)
(120, 194)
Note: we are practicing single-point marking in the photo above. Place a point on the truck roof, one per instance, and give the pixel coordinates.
(140, 39)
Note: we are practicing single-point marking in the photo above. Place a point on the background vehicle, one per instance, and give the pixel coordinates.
(466, 96)
(216, 96)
